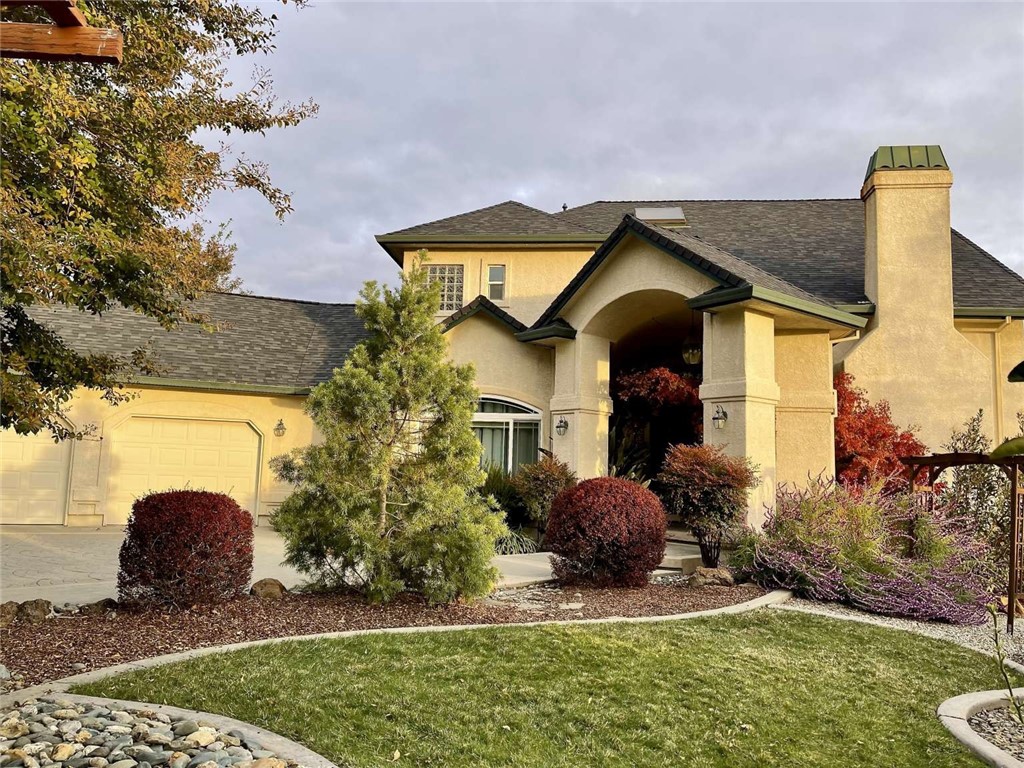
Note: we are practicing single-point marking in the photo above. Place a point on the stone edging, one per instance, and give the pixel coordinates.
(62, 685)
(953, 713)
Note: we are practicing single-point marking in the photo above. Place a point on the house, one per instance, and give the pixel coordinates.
(761, 300)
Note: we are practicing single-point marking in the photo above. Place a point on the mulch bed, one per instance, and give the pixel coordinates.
(67, 645)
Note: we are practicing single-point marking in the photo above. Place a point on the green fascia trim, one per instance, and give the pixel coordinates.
(1015, 312)
(720, 298)
(217, 386)
(473, 313)
(547, 332)
(856, 309)
(907, 158)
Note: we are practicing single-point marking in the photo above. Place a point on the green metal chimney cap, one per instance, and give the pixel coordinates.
(906, 157)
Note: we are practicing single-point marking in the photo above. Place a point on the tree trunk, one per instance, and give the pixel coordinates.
(710, 549)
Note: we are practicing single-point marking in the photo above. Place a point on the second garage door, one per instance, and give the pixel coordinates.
(157, 454)
(33, 478)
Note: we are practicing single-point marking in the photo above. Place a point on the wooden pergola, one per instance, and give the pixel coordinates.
(932, 466)
(69, 38)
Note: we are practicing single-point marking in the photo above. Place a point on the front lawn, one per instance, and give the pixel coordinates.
(770, 688)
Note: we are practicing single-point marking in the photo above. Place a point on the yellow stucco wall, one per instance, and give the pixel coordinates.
(91, 457)
(534, 276)
(504, 367)
(934, 374)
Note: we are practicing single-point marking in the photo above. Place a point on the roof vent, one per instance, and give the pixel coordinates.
(670, 218)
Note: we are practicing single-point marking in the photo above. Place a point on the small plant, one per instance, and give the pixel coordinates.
(708, 490)
(515, 543)
(607, 532)
(874, 551)
(997, 640)
(185, 547)
(499, 485)
(538, 484)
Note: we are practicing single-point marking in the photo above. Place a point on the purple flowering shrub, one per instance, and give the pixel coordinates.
(881, 553)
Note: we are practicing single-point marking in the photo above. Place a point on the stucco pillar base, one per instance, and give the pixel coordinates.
(584, 446)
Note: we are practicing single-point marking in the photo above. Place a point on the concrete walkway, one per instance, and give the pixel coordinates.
(79, 565)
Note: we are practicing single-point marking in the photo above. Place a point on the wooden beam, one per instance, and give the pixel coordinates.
(63, 12)
(45, 42)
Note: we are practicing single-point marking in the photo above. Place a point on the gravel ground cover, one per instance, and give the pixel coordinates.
(55, 732)
(66, 645)
(999, 727)
(978, 637)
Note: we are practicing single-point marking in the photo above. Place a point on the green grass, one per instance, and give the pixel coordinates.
(771, 689)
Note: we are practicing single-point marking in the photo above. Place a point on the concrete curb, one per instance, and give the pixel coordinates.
(60, 686)
(279, 745)
(953, 713)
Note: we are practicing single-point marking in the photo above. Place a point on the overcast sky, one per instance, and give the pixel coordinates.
(430, 110)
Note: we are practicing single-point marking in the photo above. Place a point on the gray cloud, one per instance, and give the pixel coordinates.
(431, 110)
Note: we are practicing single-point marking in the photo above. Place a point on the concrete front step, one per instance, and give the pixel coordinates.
(681, 557)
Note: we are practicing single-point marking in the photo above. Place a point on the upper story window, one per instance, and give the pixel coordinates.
(450, 276)
(496, 282)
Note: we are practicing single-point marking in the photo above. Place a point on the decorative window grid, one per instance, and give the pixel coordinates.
(450, 278)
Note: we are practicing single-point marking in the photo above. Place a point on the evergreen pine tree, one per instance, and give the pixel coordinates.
(390, 500)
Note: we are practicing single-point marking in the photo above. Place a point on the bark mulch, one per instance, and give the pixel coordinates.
(67, 645)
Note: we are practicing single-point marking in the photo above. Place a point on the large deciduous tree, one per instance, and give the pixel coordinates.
(390, 500)
(103, 183)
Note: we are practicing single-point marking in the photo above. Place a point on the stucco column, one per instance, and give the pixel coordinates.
(805, 415)
(739, 376)
(581, 397)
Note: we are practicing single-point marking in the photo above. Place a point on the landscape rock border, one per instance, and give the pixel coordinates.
(954, 713)
(273, 742)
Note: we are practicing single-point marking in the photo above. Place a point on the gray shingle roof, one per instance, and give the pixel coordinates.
(511, 218)
(816, 245)
(723, 267)
(482, 304)
(261, 341)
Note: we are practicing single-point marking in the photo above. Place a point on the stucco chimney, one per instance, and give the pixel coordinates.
(908, 272)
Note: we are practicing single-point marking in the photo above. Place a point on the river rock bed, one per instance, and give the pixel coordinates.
(999, 727)
(55, 732)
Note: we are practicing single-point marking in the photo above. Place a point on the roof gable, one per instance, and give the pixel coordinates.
(721, 266)
(481, 304)
(510, 218)
(816, 245)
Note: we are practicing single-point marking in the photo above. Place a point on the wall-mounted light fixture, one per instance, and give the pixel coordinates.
(279, 428)
(720, 417)
(562, 426)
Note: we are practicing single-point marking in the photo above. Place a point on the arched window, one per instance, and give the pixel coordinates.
(509, 432)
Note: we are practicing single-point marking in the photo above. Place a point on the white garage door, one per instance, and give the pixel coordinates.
(33, 478)
(153, 454)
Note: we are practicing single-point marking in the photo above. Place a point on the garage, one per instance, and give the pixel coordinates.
(157, 454)
(33, 478)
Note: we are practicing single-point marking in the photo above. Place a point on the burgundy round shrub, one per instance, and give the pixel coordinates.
(608, 532)
(185, 547)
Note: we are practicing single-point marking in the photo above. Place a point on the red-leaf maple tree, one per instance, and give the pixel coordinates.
(868, 443)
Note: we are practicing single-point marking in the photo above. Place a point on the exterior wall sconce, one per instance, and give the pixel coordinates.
(279, 428)
(720, 417)
(562, 426)
(692, 355)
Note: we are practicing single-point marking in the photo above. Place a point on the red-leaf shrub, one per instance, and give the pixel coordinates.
(708, 490)
(607, 532)
(183, 548)
(868, 444)
(539, 483)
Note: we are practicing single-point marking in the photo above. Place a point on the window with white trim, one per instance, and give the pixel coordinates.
(450, 278)
(509, 432)
(496, 282)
